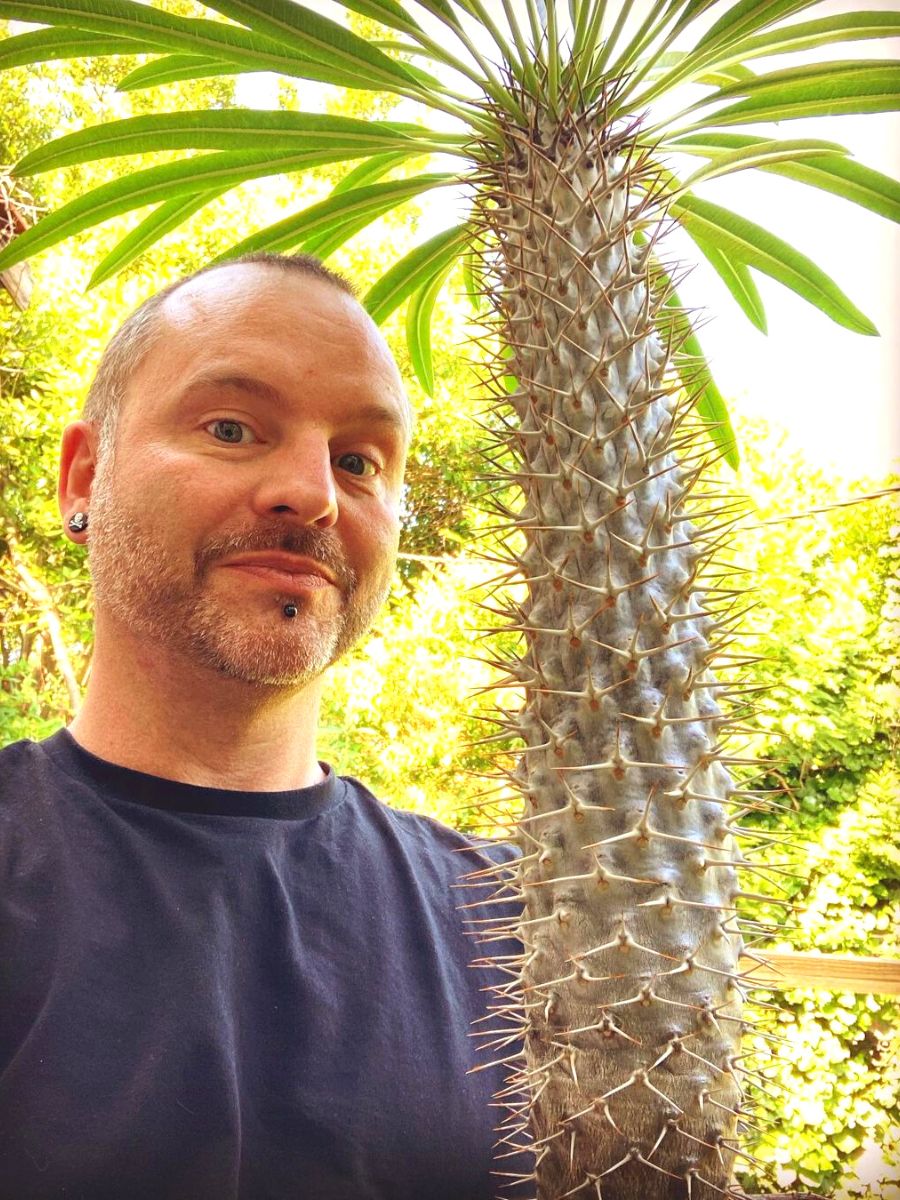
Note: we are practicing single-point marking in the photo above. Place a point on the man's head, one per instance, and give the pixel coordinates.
(250, 410)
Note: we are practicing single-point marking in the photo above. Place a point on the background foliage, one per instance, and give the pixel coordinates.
(398, 709)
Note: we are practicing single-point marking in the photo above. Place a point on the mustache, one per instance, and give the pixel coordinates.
(320, 545)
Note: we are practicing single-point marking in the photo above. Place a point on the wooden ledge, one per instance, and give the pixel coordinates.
(827, 972)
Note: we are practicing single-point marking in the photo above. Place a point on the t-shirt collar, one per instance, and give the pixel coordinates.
(116, 782)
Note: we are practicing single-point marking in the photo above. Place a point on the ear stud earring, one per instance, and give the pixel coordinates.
(78, 522)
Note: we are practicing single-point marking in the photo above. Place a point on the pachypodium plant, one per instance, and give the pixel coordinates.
(603, 417)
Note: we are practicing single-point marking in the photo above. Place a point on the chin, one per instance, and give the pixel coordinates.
(280, 654)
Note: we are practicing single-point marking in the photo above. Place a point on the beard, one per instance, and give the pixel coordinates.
(137, 581)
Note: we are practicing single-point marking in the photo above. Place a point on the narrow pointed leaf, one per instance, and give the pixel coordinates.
(737, 278)
(832, 90)
(362, 204)
(386, 12)
(808, 35)
(762, 154)
(418, 328)
(745, 18)
(153, 28)
(153, 186)
(371, 170)
(312, 35)
(693, 10)
(725, 76)
(691, 362)
(338, 232)
(738, 22)
(48, 45)
(749, 243)
(173, 68)
(692, 366)
(290, 24)
(471, 283)
(413, 269)
(220, 129)
(842, 176)
(443, 10)
(654, 21)
(160, 222)
(848, 179)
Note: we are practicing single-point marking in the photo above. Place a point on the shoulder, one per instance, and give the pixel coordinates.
(20, 764)
(426, 836)
(27, 822)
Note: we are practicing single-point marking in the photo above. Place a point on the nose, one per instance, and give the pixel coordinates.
(299, 481)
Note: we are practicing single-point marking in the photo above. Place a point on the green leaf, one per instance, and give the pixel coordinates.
(443, 10)
(749, 243)
(737, 278)
(834, 89)
(47, 45)
(314, 36)
(220, 129)
(153, 186)
(725, 76)
(405, 276)
(386, 12)
(325, 243)
(745, 18)
(163, 219)
(369, 171)
(692, 10)
(418, 328)
(761, 154)
(738, 21)
(173, 68)
(361, 204)
(289, 24)
(153, 29)
(471, 283)
(808, 35)
(842, 176)
(691, 364)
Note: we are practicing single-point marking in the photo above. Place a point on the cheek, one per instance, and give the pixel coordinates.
(375, 539)
(190, 492)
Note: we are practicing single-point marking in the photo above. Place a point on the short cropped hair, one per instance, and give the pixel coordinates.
(137, 335)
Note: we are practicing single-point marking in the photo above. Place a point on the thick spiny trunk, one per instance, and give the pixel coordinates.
(628, 875)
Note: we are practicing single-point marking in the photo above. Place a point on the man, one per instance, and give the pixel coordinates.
(229, 974)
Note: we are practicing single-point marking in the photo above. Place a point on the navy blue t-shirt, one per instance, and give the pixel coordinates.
(219, 995)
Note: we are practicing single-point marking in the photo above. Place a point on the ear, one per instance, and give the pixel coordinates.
(77, 465)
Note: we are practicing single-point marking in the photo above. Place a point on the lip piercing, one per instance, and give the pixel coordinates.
(290, 610)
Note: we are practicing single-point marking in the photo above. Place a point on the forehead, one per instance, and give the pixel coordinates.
(264, 321)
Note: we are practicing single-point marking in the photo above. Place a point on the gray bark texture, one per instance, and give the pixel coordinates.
(627, 990)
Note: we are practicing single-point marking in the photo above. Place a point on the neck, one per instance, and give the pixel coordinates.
(151, 709)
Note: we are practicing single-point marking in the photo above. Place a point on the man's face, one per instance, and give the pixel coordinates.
(268, 418)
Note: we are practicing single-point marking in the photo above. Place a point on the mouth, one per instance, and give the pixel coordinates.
(283, 570)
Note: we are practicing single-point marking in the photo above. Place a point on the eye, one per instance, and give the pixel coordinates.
(357, 464)
(225, 430)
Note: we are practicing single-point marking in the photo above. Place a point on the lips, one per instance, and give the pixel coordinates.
(283, 569)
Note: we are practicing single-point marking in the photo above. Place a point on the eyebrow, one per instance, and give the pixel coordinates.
(380, 414)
